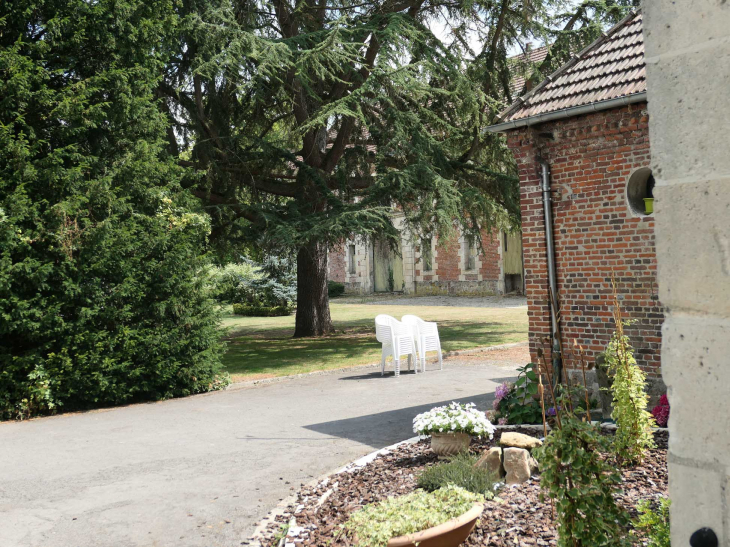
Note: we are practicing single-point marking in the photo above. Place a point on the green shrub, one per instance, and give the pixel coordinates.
(375, 524)
(633, 422)
(102, 270)
(261, 311)
(516, 403)
(582, 484)
(459, 471)
(230, 283)
(335, 289)
(654, 524)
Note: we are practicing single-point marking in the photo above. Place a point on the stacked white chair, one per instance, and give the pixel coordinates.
(397, 340)
(427, 338)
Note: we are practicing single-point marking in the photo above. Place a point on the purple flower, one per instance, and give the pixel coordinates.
(502, 421)
(502, 391)
(551, 411)
(495, 404)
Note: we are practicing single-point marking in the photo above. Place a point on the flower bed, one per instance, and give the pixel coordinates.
(515, 517)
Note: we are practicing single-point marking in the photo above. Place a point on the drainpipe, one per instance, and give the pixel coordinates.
(552, 277)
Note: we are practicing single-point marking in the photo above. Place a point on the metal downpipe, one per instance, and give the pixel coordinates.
(552, 276)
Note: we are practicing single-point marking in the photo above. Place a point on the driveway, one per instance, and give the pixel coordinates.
(202, 471)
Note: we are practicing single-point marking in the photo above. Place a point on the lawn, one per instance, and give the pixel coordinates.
(262, 347)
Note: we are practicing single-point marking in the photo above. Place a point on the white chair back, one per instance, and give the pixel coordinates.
(384, 329)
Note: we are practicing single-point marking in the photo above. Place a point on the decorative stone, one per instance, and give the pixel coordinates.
(518, 440)
(517, 465)
(492, 461)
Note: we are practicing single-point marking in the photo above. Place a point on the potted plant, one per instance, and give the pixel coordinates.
(452, 427)
(443, 518)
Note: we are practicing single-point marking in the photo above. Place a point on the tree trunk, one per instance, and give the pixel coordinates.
(313, 305)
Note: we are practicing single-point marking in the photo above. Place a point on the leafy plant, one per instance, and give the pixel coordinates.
(459, 471)
(335, 289)
(230, 283)
(375, 524)
(633, 423)
(654, 524)
(517, 404)
(455, 418)
(582, 483)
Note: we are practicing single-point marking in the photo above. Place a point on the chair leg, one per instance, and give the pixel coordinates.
(409, 362)
(397, 367)
(382, 363)
(441, 360)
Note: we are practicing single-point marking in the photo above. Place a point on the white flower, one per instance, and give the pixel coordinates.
(453, 418)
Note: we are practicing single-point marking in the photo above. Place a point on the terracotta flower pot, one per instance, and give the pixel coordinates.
(449, 534)
(449, 444)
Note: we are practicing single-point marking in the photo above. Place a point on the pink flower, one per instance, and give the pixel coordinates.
(502, 391)
(495, 404)
(502, 421)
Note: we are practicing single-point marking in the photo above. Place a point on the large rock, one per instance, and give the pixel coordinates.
(517, 465)
(518, 440)
(492, 461)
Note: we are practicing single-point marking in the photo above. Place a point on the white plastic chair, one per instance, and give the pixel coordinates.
(427, 338)
(397, 340)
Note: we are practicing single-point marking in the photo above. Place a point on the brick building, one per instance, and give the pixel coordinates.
(587, 124)
(430, 266)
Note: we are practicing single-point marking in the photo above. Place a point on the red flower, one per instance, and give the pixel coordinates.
(661, 411)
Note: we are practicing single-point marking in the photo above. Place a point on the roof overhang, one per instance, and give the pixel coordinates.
(569, 112)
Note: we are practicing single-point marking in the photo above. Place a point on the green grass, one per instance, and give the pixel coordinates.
(260, 347)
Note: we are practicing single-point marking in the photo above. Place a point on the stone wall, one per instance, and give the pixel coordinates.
(448, 275)
(688, 77)
(597, 233)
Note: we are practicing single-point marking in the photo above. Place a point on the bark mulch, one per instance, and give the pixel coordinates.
(516, 519)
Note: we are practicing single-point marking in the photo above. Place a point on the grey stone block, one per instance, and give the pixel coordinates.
(695, 355)
(689, 114)
(696, 501)
(693, 246)
(671, 24)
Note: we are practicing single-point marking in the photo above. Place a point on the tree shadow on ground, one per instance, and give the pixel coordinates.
(385, 428)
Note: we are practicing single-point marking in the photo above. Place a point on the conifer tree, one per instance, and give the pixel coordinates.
(101, 251)
(312, 121)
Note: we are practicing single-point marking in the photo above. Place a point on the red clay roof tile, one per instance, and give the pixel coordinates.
(612, 67)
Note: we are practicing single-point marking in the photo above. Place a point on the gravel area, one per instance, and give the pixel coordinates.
(457, 301)
(515, 518)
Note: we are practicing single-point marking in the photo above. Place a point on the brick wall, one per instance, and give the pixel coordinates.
(449, 275)
(490, 257)
(596, 233)
(336, 263)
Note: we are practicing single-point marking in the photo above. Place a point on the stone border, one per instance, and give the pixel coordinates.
(353, 368)
(284, 504)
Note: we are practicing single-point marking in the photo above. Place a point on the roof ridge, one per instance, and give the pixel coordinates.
(605, 37)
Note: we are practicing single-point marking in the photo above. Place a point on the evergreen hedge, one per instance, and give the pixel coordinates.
(102, 297)
(335, 289)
